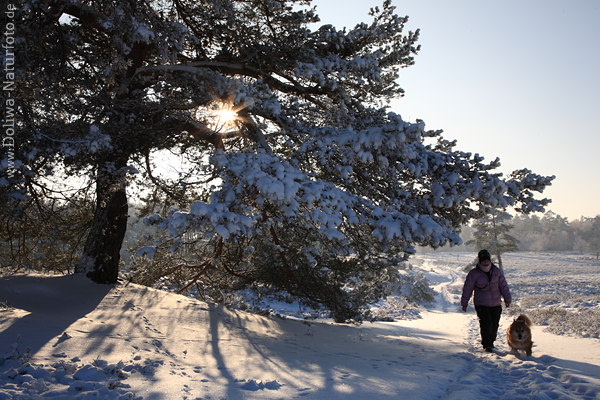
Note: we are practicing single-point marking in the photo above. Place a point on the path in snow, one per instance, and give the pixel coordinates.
(504, 375)
(501, 374)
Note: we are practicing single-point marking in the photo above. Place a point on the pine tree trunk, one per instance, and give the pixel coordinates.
(100, 258)
(500, 262)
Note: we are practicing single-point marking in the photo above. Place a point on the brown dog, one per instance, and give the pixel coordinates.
(518, 335)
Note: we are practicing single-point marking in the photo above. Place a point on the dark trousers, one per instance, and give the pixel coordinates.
(489, 320)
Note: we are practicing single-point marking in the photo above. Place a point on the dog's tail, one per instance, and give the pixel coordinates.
(525, 319)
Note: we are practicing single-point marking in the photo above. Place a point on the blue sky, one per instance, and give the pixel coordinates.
(515, 79)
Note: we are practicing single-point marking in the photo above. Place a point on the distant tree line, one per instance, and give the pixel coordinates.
(548, 232)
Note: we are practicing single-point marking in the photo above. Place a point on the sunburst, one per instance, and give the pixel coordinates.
(225, 116)
(219, 116)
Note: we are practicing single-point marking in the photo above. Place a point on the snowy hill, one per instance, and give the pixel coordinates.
(63, 337)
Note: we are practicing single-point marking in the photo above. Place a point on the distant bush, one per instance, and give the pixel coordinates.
(396, 308)
(561, 321)
(410, 290)
(44, 236)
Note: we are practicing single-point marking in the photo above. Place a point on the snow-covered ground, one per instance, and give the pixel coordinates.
(67, 338)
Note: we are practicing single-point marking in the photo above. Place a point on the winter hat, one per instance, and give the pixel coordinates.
(484, 255)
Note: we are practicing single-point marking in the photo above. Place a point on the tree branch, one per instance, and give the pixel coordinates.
(86, 14)
(240, 69)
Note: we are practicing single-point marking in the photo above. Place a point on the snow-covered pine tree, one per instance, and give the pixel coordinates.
(313, 177)
(492, 232)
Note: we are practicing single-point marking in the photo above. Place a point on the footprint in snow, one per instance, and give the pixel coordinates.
(62, 338)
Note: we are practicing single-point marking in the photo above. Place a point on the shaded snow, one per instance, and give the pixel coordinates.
(66, 338)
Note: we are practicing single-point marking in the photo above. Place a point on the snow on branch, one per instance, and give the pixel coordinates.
(255, 182)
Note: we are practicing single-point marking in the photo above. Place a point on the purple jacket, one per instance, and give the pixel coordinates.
(487, 290)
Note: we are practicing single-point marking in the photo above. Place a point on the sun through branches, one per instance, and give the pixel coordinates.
(219, 116)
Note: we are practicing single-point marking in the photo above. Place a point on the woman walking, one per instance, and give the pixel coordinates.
(489, 285)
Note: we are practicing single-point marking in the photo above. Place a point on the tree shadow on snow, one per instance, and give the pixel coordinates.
(321, 359)
(49, 302)
(216, 319)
